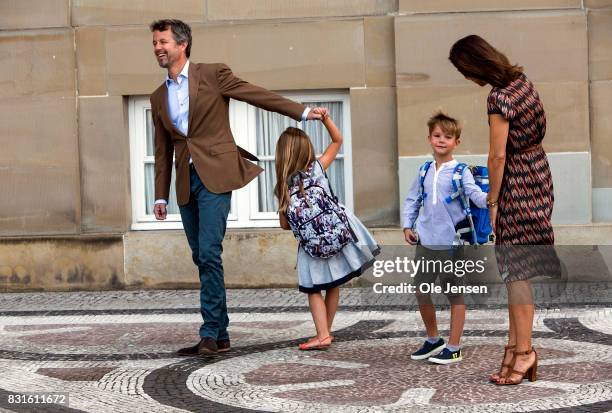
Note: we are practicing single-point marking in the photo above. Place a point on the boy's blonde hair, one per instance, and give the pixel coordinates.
(294, 152)
(449, 126)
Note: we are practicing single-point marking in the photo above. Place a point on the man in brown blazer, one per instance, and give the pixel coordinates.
(191, 116)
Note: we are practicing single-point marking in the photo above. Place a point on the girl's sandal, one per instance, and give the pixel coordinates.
(531, 372)
(320, 346)
(506, 366)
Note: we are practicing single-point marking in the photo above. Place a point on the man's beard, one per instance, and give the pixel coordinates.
(164, 64)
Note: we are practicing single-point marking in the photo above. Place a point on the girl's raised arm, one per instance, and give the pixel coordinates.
(332, 149)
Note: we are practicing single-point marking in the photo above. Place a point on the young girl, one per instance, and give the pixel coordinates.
(295, 154)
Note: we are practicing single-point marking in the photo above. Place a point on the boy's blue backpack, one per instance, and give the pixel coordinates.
(318, 221)
(476, 228)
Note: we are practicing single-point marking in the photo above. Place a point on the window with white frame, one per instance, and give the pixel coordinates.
(257, 131)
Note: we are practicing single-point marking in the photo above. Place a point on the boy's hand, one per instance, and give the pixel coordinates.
(410, 236)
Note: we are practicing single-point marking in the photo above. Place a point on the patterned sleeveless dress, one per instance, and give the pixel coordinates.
(524, 233)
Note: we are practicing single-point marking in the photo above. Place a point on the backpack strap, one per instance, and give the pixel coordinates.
(422, 174)
(335, 199)
(329, 185)
(458, 192)
(457, 182)
(422, 194)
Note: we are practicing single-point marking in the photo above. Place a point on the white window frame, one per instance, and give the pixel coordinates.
(245, 201)
(138, 105)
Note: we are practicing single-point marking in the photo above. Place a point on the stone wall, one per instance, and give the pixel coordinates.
(70, 66)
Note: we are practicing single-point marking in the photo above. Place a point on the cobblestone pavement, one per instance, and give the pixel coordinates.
(114, 352)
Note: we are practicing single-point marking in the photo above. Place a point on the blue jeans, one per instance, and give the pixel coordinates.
(204, 220)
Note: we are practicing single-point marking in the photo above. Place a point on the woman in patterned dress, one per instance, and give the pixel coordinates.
(520, 198)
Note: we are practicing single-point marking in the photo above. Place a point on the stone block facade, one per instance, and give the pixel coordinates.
(73, 67)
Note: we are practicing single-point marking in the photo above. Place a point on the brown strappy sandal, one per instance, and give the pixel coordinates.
(531, 372)
(507, 366)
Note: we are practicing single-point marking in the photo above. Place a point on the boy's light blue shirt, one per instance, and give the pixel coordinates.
(435, 223)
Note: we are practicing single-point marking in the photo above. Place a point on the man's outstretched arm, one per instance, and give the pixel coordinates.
(236, 88)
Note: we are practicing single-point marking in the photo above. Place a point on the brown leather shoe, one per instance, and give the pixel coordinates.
(223, 346)
(206, 345)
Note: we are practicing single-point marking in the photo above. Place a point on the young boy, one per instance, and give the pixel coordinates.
(433, 231)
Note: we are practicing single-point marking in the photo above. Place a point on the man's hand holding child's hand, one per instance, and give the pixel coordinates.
(320, 113)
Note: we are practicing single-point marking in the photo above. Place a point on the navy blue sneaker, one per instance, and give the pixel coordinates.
(428, 349)
(447, 357)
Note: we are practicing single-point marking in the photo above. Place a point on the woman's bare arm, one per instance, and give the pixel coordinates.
(498, 137)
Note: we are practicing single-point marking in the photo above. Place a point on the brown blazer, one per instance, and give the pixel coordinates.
(220, 163)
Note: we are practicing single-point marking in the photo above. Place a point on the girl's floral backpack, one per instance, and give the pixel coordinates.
(318, 221)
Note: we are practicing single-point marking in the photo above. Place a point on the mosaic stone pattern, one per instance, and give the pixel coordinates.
(112, 353)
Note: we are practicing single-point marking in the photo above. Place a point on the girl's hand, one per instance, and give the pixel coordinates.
(410, 236)
(493, 216)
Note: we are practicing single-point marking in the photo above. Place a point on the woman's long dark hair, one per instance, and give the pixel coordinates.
(475, 58)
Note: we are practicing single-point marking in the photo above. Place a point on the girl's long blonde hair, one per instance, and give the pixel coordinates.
(294, 152)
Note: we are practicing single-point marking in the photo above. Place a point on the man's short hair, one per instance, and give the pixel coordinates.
(449, 126)
(180, 31)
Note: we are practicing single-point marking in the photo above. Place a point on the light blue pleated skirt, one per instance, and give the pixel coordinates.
(316, 274)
